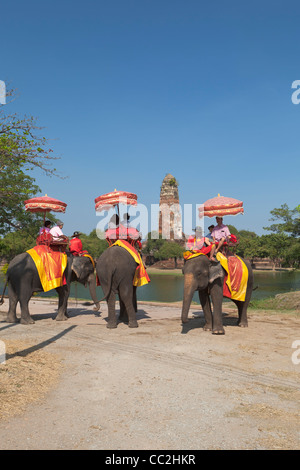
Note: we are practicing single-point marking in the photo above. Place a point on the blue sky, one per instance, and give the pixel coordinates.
(128, 91)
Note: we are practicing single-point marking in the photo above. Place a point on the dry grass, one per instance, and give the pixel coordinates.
(26, 376)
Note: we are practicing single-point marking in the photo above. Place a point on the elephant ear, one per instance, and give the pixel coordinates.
(76, 270)
(82, 267)
(215, 271)
(76, 266)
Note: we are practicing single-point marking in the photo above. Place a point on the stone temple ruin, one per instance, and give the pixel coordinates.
(170, 217)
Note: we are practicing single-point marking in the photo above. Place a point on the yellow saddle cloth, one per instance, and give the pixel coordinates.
(50, 266)
(235, 283)
(141, 276)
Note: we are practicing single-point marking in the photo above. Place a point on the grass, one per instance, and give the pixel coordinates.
(167, 272)
(289, 302)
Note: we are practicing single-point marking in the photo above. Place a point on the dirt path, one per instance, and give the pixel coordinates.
(160, 386)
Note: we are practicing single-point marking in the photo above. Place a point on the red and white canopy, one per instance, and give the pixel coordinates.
(44, 204)
(220, 206)
(106, 201)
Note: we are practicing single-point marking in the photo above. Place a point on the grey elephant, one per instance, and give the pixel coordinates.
(116, 270)
(207, 276)
(23, 280)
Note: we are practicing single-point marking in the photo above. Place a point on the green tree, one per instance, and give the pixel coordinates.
(93, 244)
(154, 243)
(274, 246)
(170, 250)
(292, 254)
(288, 220)
(22, 149)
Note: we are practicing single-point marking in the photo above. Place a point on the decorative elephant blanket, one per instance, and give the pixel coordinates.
(236, 278)
(141, 276)
(50, 266)
(205, 250)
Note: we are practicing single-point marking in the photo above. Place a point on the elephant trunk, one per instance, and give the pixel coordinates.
(92, 287)
(188, 292)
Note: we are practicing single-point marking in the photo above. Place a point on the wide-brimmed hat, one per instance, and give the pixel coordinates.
(198, 229)
(76, 234)
(59, 222)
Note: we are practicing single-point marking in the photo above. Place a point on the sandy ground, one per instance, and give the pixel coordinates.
(161, 386)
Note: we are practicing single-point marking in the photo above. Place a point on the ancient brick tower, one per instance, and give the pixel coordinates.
(170, 220)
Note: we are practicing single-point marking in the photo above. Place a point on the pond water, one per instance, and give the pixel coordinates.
(169, 287)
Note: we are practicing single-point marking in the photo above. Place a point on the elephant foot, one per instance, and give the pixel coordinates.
(218, 331)
(12, 319)
(185, 320)
(111, 325)
(63, 317)
(27, 321)
(242, 325)
(207, 328)
(133, 325)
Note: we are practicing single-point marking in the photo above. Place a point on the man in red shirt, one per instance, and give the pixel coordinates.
(75, 244)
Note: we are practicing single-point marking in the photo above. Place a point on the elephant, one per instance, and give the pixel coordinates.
(207, 276)
(115, 270)
(23, 280)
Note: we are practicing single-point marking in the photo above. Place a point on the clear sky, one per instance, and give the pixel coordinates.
(130, 90)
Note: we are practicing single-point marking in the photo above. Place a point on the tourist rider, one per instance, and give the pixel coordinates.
(57, 232)
(75, 246)
(46, 227)
(220, 235)
(208, 236)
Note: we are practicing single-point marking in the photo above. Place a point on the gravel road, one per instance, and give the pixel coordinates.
(161, 386)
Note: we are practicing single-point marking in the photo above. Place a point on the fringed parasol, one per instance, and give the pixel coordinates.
(106, 201)
(220, 206)
(45, 204)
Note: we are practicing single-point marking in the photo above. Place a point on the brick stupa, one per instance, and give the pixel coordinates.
(170, 219)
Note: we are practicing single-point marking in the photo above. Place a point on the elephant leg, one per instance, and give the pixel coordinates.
(243, 306)
(13, 301)
(216, 292)
(134, 298)
(26, 319)
(205, 303)
(63, 295)
(242, 312)
(111, 304)
(188, 292)
(126, 295)
(123, 313)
